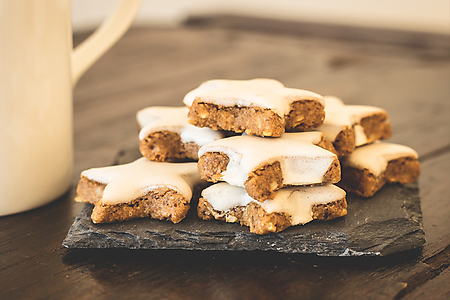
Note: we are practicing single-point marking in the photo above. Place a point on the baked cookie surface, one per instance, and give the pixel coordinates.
(263, 165)
(291, 206)
(166, 135)
(350, 126)
(139, 189)
(370, 167)
(263, 107)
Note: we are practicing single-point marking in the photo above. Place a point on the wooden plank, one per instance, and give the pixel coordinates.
(360, 73)
(439, 287)
(435, 202)
(157, 67)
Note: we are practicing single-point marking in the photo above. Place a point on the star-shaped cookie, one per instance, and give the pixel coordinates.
(291, 206)
(349, 126)
(139, 189)
(166, 135)
(263, 107)
(263, 165)
(370, 167)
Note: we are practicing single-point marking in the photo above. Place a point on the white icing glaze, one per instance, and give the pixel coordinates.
(174, 119)
(375, 157)
(360, 136)
(125, 183)
(339, 116)
(296, 202)
(301, 161)
(260, 92)
(223, 196)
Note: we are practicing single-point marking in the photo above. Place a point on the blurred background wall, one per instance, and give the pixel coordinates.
(412, 15)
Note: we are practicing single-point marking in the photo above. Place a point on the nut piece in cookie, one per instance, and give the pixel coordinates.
(166, 135)
(139, 189)
(350, 126)
(264, 165)
(263, 107)
(291, 206)
(370, 167)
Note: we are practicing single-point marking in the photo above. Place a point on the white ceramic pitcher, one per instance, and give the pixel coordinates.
(38, 70)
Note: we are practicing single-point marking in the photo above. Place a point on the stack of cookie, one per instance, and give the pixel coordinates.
(271, 179)
(273, 153)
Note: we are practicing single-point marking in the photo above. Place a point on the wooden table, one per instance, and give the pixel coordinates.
(407, 74)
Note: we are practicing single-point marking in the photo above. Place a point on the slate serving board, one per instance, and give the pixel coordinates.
(387, 223)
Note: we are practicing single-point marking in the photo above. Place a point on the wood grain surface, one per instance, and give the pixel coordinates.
(149, 66)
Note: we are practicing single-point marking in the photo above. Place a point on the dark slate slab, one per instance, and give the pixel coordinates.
(389, 222)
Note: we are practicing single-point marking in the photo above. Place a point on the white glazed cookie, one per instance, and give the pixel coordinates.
(263, 165)
(263, 107)
(290, 206)
(350, 126)
(166, 135)
(139, 189)
(369, 167)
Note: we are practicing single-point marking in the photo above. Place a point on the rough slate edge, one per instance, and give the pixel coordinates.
(387, 223)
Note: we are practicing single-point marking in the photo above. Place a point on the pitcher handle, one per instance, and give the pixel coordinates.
(109, 32)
